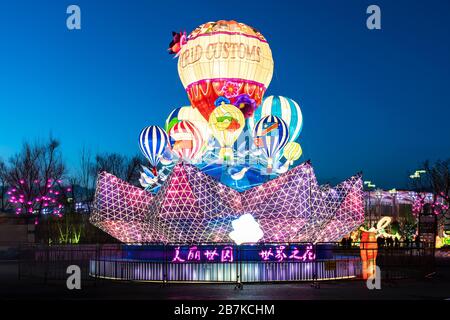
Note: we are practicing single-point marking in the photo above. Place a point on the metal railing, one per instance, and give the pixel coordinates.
(155, 262)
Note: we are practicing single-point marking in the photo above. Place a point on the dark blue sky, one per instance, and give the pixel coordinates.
(377, 101)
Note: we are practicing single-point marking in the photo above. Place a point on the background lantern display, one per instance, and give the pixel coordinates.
(368, 249)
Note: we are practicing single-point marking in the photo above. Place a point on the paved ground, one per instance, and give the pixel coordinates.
(11, 287)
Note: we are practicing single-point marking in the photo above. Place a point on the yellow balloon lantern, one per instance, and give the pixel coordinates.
(226, 123)
(292, 151)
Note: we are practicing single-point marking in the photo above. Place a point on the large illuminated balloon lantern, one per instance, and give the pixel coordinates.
(224, 58)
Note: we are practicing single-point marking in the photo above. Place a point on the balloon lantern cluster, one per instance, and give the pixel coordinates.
(230, 130)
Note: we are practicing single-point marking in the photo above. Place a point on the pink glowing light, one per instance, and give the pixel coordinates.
(194, 254)
(280, 255)
(177, 257)
(227, 254)
(266, 254)
(211, 254)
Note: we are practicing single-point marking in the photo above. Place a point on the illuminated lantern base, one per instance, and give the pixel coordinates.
(193, 207)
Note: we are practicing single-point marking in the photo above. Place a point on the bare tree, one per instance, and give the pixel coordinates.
(35, 176)
(85, 179)
(122, 167)
(435, 180)
(3, 186)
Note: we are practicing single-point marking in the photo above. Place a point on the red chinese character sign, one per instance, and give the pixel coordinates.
(229, 253)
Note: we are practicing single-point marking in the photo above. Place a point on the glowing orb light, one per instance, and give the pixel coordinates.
(246, 230)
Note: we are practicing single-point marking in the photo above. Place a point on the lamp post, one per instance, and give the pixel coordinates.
(370, 186)
(393, 193)
(416, 177)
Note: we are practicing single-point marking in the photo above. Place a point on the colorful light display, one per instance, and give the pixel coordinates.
(224, 189)
(38, 196)
(192, 207)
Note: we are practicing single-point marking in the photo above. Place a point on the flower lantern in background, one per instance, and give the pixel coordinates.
(224, 58)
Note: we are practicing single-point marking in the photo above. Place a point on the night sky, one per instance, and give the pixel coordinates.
(376, 101)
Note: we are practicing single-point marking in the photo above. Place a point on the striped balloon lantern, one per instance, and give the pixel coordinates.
(152, 142)
(192, 115)
(172, 119)
(186, 140)
(292, 151)
(285, 108)
(271, 134)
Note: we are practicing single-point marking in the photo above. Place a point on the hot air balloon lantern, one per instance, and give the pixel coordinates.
(284, 108)
(186, 141)
(292, 152)
(152, 142)
(192, 115)
(270, 134)
(224, 58)
(226, 123)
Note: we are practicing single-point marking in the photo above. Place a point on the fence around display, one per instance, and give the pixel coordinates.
(221, 263)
